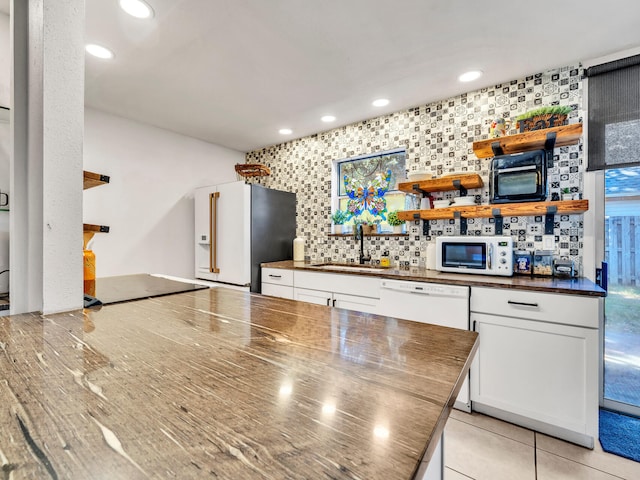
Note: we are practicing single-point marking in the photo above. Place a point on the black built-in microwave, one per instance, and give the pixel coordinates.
(519, 177)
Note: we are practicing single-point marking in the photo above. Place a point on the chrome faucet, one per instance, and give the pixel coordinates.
(363, 258)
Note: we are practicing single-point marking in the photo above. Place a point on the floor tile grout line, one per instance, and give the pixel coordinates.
(535, 455)
(576, 462)
(460, 473)
(501, 434)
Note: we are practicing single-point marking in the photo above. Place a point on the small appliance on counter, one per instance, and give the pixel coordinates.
(563, 268)
(518, 177)
(477, 255)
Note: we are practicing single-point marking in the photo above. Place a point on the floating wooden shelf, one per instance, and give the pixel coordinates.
(564, 207)
(252, 170)
(535, 140)
(88, 231)
(94, 179)
(87, 227)
(443, 184)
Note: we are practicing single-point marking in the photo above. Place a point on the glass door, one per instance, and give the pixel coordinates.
(622, 304)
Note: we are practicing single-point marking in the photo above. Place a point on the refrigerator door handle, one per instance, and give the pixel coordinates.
(213, 232)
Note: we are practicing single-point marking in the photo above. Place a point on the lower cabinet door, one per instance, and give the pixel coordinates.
(536, 370)
(318, 297)
(356, 303)
(339, 300)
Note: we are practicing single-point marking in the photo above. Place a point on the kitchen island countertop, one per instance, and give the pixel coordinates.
(224, 384)
(572, 286)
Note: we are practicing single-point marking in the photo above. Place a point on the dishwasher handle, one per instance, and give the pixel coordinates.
(413, 289)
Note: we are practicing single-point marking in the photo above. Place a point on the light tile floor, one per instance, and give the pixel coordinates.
(479, 447)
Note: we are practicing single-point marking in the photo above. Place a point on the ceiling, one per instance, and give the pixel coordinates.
(233, 72)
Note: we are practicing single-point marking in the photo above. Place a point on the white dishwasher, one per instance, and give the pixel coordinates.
(438, 304)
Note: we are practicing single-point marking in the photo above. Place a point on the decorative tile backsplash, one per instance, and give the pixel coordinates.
(438, 138)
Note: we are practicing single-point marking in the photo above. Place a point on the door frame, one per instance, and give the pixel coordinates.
(594, 234)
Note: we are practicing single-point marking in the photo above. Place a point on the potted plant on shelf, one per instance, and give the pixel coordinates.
(543, 117)
(566, 194)
(395, 221)
(339, 218)
(367, 227)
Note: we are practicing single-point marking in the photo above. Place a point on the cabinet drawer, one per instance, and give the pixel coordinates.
(277, 276)
(334, 282)
(281, 291)
(548, 307)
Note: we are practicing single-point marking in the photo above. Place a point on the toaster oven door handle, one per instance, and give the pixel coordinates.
(516, 169)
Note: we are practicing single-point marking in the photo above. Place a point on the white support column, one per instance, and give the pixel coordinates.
(47, 110)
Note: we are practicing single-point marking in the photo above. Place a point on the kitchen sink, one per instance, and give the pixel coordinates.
(349, 267)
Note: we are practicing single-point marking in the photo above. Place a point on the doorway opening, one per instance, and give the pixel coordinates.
(622, 304)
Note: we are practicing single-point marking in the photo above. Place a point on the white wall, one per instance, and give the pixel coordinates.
(5, 71)
(149, 202)
(5, 60)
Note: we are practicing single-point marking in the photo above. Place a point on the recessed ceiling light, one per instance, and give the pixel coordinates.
(381, 102)
(136, 8)
(470, 76)
(328, 118)
(285, 131)
(99, 51)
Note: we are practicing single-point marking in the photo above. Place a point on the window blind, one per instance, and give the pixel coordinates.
(614, 114)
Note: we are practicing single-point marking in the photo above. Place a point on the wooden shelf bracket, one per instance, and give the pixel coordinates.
(549, 218)
(416, 188)
(463, 222)
(497, 149)
(458, 186)
(549, 145)
(497, 216)
(425, 224)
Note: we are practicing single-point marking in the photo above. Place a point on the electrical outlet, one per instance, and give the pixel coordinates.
(548, 242)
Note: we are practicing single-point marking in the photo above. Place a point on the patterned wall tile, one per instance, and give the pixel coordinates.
(437, 137)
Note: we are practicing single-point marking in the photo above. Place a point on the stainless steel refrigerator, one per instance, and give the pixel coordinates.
(240, 226)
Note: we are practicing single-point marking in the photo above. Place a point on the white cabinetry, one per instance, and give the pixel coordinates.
(352, 292)
(277, 282)
(537, 364)
(339, 300)
(319, 297)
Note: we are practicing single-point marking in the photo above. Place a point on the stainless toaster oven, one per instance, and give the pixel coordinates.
(519, 177)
